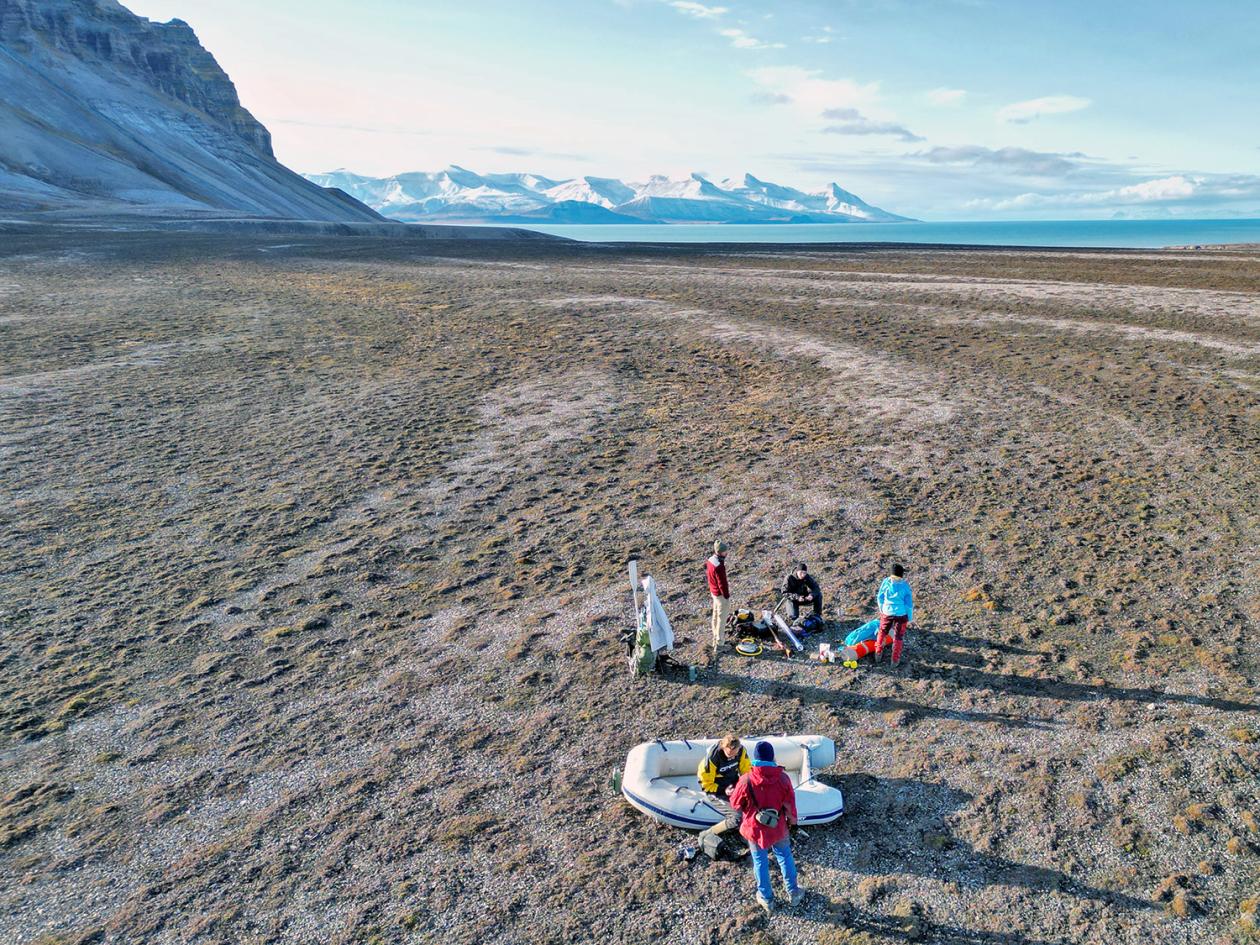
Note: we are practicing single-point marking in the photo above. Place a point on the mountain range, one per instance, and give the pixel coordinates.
(107, 112)
(457, 194)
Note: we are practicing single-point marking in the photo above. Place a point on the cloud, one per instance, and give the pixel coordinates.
(1161, 190)
(946, 97)
(512, 151)
(741, 40)
(853, 122)
(822, 38)
(770, 98)
(1017, 160)
(1021, 113)
(698, 10)
(813, 94)
(864, 126)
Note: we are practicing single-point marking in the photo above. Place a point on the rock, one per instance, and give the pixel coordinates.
(138, 97)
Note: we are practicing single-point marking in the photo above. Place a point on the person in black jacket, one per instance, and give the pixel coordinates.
(799, 587)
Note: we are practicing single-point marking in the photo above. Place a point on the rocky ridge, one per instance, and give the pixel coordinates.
(103, 110)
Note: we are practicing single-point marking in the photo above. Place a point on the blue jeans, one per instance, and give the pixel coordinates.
(761, 867)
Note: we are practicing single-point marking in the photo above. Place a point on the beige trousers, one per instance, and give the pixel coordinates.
(721, 610)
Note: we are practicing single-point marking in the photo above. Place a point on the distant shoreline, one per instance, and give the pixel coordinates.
(604, 237)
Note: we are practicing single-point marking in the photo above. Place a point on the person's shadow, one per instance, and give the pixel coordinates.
(898, 826)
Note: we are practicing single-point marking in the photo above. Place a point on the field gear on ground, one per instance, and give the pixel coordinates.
(891, 628)
(639, 644)
(648, 645)
(711, 839)
(812, 624)
(743, 624)
(868, 631)
(718, 772)
(659, 630)
(856, 652)
(749, 647)
(896, 599)
(783, 634)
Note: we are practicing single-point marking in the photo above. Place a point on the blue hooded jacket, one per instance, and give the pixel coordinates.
(895, 598)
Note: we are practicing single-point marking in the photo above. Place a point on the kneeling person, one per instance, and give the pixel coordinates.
(719, 773)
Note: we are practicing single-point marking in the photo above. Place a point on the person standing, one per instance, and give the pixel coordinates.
(896, 612)
(799, 587)
(715, 570)
(766, 799)
(718, 774)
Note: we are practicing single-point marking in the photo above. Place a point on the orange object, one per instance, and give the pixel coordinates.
(865, 648)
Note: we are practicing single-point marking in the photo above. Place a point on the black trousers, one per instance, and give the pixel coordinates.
(794, 608)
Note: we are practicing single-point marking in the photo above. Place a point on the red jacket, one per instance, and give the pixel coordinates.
(715, 568)
(765, 787)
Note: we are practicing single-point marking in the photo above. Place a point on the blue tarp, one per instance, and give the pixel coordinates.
(863, 633)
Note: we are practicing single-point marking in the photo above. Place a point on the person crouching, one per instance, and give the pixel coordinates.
(767, 800)
(719, 772)
(800, 588)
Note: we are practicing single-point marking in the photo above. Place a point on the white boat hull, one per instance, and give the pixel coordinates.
(660, 779)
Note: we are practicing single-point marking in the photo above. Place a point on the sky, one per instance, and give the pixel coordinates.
(935, 109)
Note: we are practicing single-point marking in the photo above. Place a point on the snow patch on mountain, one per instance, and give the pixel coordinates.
(457, 193)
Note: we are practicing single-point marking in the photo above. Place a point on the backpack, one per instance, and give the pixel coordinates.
(812, 624)
(641, 657)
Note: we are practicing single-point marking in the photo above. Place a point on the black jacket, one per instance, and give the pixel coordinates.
(793, 585)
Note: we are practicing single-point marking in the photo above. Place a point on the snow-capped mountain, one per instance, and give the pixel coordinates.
(458, 194)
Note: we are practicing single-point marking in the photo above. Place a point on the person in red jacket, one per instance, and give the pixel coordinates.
(715, 570)
(766, 799)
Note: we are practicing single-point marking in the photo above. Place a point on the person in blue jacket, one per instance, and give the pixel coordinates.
(896, 613)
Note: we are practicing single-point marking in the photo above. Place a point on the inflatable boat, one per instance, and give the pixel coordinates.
(660, 779)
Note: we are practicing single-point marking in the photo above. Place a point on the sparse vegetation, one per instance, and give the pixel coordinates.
(313, 572)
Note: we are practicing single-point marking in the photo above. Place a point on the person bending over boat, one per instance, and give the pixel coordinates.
(799, 587)
(767, 800)
(719, 773)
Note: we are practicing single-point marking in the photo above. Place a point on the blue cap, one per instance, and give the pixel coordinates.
(764, 751)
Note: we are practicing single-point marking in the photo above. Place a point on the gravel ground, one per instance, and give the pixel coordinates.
(312, 559)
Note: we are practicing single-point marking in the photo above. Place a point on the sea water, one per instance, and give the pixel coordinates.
(1129, 234)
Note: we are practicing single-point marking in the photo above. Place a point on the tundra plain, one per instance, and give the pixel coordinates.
(312, 573)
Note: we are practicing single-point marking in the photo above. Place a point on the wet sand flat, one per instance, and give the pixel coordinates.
(311, 578)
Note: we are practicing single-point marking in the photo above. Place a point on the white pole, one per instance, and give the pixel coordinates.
(634, 589)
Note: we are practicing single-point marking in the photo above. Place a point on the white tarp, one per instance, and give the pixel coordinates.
(659, 630)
